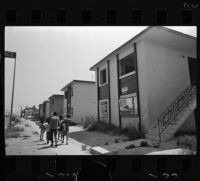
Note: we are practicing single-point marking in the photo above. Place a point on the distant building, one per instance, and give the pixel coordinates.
(41, 111)
(46, 109)
(80, 100)
(149, 83)
(56, 104)
(30, 111)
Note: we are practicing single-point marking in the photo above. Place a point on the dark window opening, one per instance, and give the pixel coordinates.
(52, 102)
(71, 91)
(127, 65)
(103, 77)
(66, 95)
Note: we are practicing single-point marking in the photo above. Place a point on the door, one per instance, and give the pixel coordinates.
(192, 63)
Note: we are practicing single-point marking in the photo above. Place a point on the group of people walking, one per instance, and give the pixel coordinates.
(56, 128)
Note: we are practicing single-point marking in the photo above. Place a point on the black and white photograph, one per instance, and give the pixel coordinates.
(100, 90)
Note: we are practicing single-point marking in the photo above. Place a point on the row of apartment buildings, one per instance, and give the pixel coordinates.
(136, 84)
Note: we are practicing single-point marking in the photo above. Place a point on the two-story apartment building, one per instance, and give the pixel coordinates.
(56, 104)
(41, 111)
(46, 109)
(80, 100)
(148, 81)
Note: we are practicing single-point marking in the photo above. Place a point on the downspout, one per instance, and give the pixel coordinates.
(138, 91)
(98, 93)
(118, 87)
(108, 65)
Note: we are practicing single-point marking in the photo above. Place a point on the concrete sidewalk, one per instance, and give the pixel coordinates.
(73, 148)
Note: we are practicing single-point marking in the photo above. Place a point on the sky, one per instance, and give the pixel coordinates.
(48, 58)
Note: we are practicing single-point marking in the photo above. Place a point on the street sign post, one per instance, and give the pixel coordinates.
(9, 54)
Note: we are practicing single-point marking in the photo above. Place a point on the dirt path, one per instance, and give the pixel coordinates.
(28, 143)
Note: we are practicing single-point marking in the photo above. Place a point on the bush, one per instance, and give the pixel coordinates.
(100, 126)
(130, 146)
(143, 144)
(84, 147)
(132, 132)
(13, 132)
(88, 122)
(188, 143)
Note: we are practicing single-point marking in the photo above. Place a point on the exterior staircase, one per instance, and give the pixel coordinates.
(174, 116)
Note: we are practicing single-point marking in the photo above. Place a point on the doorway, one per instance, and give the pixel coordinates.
(192, 63)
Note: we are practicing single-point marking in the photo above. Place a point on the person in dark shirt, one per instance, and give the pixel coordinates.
(54, 123)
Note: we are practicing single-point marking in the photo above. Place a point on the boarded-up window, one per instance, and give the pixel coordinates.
(128, 106)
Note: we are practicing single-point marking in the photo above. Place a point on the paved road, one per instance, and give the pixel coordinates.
(28, 143)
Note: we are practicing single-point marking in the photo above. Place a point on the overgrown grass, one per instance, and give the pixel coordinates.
(13, 132)
(189, 143)
(101, 126)
(132, 132)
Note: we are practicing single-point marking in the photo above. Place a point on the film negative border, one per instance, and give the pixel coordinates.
(137, 166)
(91, 17)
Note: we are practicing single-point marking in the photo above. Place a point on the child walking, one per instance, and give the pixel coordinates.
(49, 133)
(65, 128)
(42, 130)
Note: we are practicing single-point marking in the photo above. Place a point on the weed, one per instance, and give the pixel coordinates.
(13, 132)
(143, 144)
(131, 132)
(84, 147)
(130, 146)
(106, 143)
(117, 140)
(188, 142)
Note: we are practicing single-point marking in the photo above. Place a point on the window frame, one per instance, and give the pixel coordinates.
(100, 70)
(128, 74)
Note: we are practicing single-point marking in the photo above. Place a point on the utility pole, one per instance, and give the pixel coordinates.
(12, 55)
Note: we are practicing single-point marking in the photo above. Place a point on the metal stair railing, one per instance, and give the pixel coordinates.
(169, 115)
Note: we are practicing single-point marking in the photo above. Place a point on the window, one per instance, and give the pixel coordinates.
(66, 95)
(52, 101)
(103, 76)
(126, 65)
(128, 106)
(72, 92)
(103, 109)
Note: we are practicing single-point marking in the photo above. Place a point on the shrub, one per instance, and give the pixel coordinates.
(132, 132)
(117, 140)
(188, 142)
(88, 122)
(13, 132)
(84, 147)
(143, 144)
(130, 146)
(100, 126)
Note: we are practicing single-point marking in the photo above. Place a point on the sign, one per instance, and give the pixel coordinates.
(10, 54)
(128, 106)
(124, 90)
(104, 110)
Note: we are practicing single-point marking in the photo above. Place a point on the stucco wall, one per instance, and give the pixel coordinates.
(41, 113)
(114, 91)
(57, 106)
(163, 75)
(47, 110)
(84, 101)
(189, 124)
